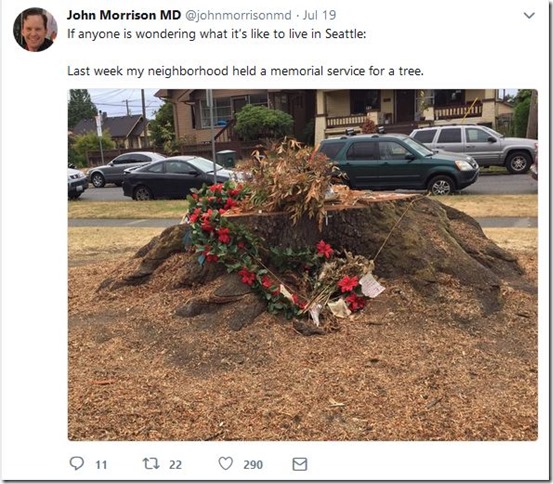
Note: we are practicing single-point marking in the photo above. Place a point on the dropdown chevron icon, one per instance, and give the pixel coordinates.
(529, 15)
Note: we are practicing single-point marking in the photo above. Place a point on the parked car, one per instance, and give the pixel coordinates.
(171, 178)
(77, 183)
(393, 161)
(113, 172)
(486, 146)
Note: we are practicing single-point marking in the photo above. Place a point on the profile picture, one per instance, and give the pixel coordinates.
(35, 29)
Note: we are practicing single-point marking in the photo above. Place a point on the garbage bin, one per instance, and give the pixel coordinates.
(226, 158)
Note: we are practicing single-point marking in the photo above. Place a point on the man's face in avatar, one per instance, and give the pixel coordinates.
(34, 32)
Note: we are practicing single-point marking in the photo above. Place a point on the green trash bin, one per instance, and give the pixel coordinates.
(226, 158)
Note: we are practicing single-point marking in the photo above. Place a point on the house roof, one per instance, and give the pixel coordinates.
(118, 126)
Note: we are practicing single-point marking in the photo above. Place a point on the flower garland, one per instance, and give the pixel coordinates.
(326, 284)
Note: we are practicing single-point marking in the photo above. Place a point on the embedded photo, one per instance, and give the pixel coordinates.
(302, 265)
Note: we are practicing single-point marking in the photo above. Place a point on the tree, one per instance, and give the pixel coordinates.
(521, 111)
(79, 107)
(162, 128)
(81, 144)
(260, 122)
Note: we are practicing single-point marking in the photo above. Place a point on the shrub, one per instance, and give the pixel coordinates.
(260, 122)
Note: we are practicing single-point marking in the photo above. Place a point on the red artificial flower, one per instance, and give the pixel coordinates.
(297, 301)
(266, 282)
(216, 187)
(348, 283)
(212, 257)
(355, 302)
(206, 226)
(234, 192)
(224, 235)
(324, 249)
(230, 203)
(241, 245)
(247, 276)
(194, 217)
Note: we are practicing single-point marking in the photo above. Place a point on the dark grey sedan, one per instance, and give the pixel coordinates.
(171, 178)
(113, 172)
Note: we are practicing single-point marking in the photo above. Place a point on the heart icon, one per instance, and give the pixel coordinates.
(225, 462)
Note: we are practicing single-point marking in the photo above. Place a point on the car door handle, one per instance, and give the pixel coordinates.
(470, 146)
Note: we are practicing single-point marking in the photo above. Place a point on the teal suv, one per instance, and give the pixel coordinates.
(395, 161)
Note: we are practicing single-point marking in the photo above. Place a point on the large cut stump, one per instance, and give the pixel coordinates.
(441, 252)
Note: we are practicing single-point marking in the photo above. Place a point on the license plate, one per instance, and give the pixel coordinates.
(79, 188)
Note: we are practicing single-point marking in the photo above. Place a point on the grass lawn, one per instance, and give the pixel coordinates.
(474, 205)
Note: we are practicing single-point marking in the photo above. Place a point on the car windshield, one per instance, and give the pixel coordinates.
(418, 147)
(204, 165)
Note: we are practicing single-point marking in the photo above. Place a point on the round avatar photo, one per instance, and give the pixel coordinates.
(35, 29)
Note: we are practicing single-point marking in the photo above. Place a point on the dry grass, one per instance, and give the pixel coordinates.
(88, 244)
(516, 240)
(127, 209)
(494, 205)
(474, 205)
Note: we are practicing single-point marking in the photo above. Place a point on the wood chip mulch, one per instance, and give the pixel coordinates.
(401, 369)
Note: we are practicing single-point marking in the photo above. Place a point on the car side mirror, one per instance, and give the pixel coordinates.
(491, 139)
(409, 156)
(110, 163)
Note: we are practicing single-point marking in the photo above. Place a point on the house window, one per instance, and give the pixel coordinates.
(258, 99)
(222, 112)
(449, 97)
(362, 100)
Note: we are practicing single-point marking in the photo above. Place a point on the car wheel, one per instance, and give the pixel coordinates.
(98, 180)
(518, 162)
(441, 185)
(142, 193)
(74, 197)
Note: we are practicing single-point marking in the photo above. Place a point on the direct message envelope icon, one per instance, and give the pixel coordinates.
(299, 464)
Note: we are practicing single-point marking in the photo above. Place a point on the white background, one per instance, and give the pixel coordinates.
(469, 45)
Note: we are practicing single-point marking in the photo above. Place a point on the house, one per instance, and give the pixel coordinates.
(128, 132)
(192, 114)
(401, 110)
(332, 111)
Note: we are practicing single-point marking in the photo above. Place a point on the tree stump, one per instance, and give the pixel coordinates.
(438, 250)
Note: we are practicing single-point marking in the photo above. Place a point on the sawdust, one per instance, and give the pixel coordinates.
(402, 369)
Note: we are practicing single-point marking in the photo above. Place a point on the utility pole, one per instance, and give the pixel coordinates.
(145, 120)
(209, 99)
(532, 127)
(99, 133)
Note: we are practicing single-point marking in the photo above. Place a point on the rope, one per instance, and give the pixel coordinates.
(396, 224)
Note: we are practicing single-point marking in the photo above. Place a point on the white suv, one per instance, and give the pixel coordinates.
(485, 145)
